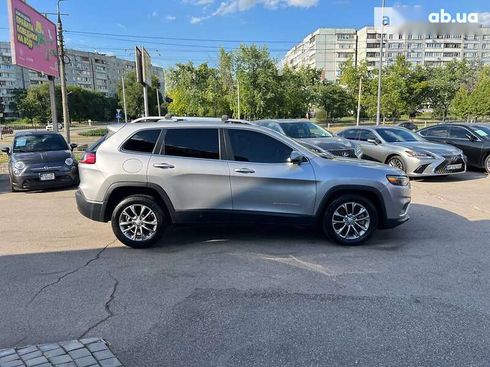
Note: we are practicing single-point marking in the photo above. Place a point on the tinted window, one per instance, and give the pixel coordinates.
(273, 126)
(304, 130)
(482, 131)
(143, 141)
(397, 135)
(39, 143)
(366, 135)
(436, 132)
(251, 146)
(457, 132)
(194, 143)
(350, 134)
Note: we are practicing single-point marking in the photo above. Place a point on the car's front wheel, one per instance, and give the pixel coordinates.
(487, 164)
(138, 221)
(396, 162)
(350, 220)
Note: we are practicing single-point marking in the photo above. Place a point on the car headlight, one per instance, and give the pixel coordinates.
(68, 161)
(19, 166)
(413, 154)
(398, 180)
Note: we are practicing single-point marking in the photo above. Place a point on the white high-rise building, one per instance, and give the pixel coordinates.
(327, 48)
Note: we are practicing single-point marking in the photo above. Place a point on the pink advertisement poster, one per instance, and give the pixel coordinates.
(33, 39)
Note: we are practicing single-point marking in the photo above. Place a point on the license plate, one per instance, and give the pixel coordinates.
(46, 176)
(455, 166)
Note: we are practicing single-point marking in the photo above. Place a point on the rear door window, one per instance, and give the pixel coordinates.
(457, 132)
(192, 143)
(436, 132)
(351, 134)
(143, 141)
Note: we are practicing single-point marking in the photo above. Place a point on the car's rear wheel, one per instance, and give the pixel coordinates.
(487, 164)
(396, 162)
(350, 220)
(138, 221)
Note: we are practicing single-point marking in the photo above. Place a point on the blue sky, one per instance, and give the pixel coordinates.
(283, 21)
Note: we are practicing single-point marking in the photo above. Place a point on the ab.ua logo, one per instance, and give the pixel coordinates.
(462, 18)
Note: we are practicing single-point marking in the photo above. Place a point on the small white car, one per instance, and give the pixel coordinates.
(49, 126)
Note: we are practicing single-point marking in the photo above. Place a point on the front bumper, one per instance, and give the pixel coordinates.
(89, 209)
(32, 181)
(440, 166)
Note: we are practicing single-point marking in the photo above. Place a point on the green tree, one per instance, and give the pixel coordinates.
(134, 97)
(334, 99)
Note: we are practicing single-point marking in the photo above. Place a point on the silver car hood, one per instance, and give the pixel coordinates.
(425, 146)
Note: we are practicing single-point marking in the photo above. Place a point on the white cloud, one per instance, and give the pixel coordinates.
(171, 17)
(122, 26)
(198, 2)
(154, 14)
(235, 6)
(484, 19)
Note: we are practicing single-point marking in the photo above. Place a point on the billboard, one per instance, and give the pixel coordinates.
(147, 72)
(32, 39)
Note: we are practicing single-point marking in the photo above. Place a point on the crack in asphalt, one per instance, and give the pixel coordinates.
(107, 307)
(96, 257)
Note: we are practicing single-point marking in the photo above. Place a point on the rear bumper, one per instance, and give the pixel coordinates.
(89, 209)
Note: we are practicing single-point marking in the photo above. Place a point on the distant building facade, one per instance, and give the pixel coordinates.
(90, 70)
(327, 48)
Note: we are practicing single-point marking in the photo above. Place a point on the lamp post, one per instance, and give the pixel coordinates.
(380, 69)
(61, 55)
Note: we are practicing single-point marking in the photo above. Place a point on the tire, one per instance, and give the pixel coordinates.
(128, 221)
(337, 217)
(486, 165)
(397, 162)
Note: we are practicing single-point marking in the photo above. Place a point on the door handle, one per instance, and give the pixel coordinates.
(163, 165)
(244, 170)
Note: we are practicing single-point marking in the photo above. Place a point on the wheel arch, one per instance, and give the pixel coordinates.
(370, 193)
(121, 190)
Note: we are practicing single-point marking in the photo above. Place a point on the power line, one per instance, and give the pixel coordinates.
(178, 38)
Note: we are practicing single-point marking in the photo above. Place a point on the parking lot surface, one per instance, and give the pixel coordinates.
(254, 296)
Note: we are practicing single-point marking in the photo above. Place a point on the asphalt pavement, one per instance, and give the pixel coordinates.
(254, 296)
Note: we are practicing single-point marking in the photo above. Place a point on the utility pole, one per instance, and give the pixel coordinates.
(359, 102)
(145, 99)
(158, 103)
(124, 99)
(52, 98)
(380, 69)
(64, 94)
(238, 83)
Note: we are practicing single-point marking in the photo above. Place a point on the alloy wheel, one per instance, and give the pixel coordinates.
(138, 222)
(351, 221)
(396, 163)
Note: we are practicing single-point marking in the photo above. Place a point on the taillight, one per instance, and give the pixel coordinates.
(88, 158)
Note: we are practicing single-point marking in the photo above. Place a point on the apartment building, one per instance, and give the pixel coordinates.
(329, 52)
(89, 70)
(325, 49)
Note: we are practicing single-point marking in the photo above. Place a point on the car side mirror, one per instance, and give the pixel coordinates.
(471, 137)
(73, 146)
(373, 141)
(297, 158)
(6, 150)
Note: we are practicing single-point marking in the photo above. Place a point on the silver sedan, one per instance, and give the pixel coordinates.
(401, 148)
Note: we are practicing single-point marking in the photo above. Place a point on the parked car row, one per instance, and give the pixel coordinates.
(146, 176)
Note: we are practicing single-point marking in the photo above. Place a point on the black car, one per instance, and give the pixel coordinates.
(305, 131)
(40, 160)
(409, 125)
(473, 139)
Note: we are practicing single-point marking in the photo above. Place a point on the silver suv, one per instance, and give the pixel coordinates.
(145, 177)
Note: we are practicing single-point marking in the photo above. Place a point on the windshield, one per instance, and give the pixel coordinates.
(304, 130)
(39, 143)
(397, 135)
(482, 131)
(318, 151)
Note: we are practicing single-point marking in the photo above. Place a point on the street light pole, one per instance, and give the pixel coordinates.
(380, 69)
(124, 99)
(64, 94)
